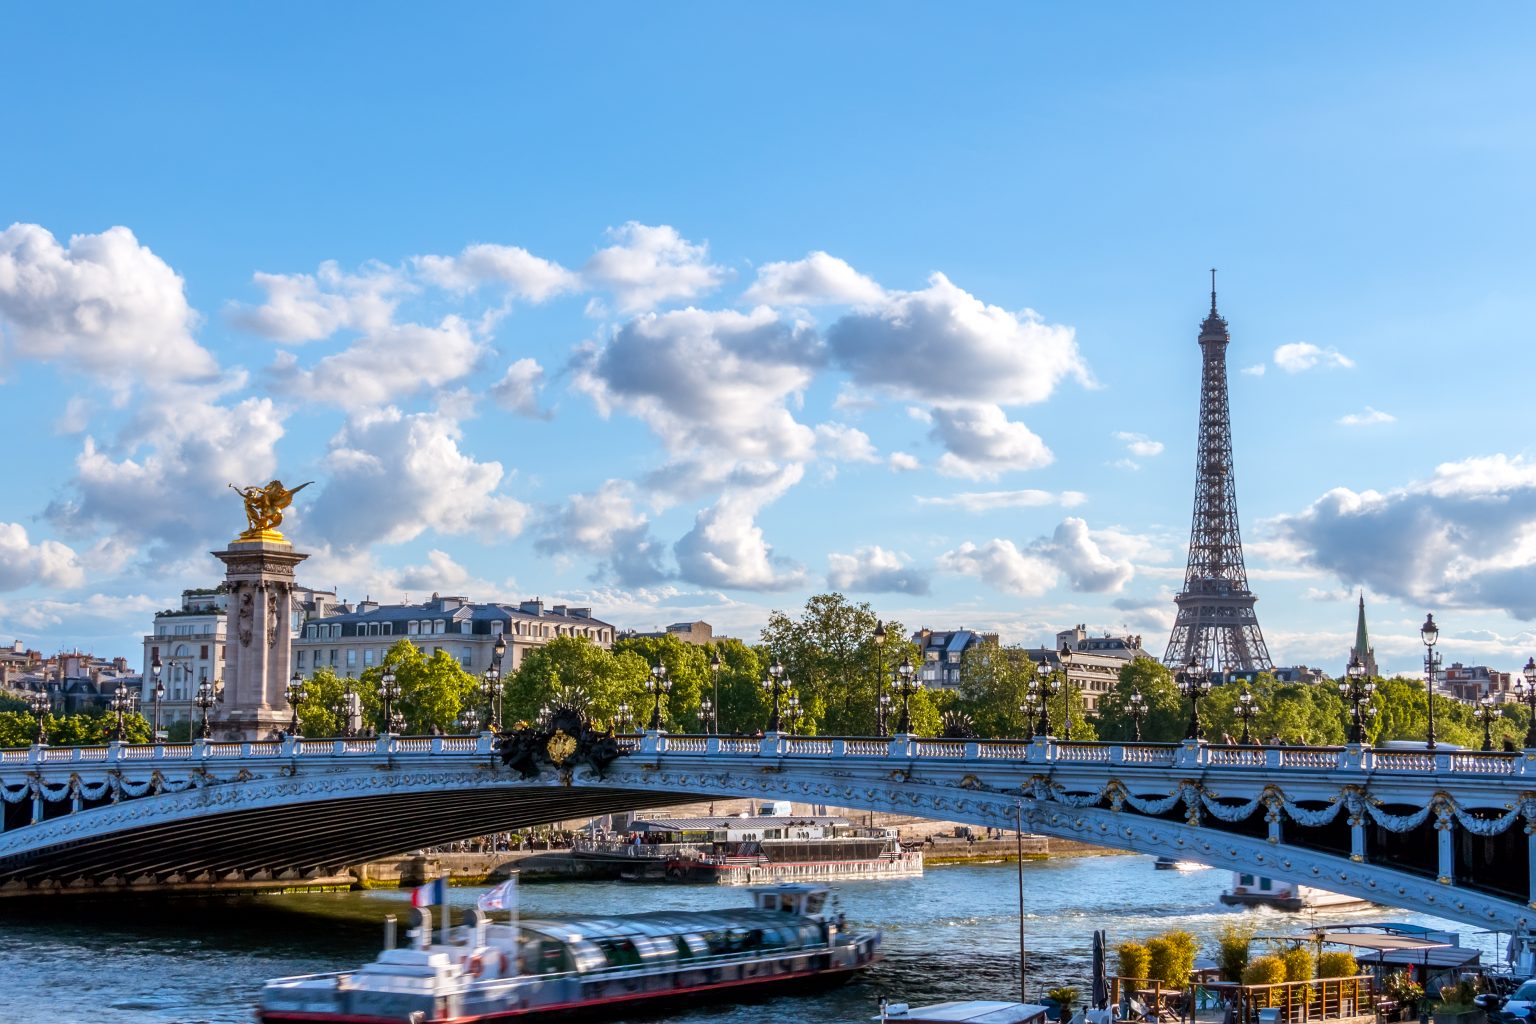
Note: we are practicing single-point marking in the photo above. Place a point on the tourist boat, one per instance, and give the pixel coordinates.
(1174, 864)
(1249, 889)
(483, 971)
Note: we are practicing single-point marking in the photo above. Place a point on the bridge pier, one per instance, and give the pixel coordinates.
(1446, 846)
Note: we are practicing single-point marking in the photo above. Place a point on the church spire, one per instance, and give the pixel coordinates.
(1362, 649)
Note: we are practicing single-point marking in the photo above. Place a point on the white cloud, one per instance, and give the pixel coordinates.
(874, 570)
(902, 462)
(981, 442)
(817, 280)
(606, 526)
(1256, 370)
(514, 269)
(394, 476)
(389, 363)
(518, 390)
(1139, 444)
(104, 305)
(1000, 564)
(991, 501)
(843, 443)
(1081, 554)
(309, 307)
(944, 345)
(649, 265)
(726, 547)
(1298, 356)
(1367, 418)
(46, 563)
(1092, 561)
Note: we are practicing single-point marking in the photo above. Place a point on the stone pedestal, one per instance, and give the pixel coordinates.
(258, 658)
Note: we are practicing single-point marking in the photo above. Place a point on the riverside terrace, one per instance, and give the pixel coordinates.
(1451, 833)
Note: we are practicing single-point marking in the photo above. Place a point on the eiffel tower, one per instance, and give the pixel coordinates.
(1216, 626)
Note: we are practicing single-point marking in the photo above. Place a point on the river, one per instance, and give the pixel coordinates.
(952, 934)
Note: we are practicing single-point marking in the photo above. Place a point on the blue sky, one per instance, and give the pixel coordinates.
(694, 311)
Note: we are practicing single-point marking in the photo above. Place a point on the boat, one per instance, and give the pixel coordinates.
(1249, 890)
(484, 971)
(1174, 864)
(964, 1011)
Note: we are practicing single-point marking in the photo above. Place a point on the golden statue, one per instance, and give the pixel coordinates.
(264, 509)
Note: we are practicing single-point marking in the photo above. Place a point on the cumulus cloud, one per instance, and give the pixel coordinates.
(711, 380)
(649, 265)
(874, 570)
(516, 270)
(392, 362)
(1256, 370)
(308, 307)
(817, 280)
(944, 345)
(605, 525)
(518, 390)
(103, 305)
(1139, 445)
(1466, 537)
(394, 476)
(46, 563)
(1298, 356)
(981, 442)
(843, 443)
(726, 548)
(1367, 418)
(991, 501)
(902, 462)
(1092, 561)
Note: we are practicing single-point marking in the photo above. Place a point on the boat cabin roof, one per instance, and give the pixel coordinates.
(968, 1011)
(713, 824)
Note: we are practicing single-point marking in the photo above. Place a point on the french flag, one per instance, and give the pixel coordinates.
(434, 893)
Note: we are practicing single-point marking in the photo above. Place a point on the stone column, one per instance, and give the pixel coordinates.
(258, 643)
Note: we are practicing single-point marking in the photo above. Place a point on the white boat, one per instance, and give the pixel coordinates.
(966, 1011)
(487, 972)
(1174, 864)
(1250, 889)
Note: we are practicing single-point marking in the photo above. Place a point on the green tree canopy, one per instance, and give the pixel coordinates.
(994, 682)
(1167, 711)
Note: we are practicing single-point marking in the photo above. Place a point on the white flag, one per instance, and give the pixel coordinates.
(503, 897)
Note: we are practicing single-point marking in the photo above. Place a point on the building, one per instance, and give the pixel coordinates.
(700, 634)
(1093, 662)
(75, 682)
(357, 639)
(1472, 683)
(16, 661)
(943, 654)
(1362, 651)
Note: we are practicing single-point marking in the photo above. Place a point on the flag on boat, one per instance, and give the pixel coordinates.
(434, 893)
(503, 897)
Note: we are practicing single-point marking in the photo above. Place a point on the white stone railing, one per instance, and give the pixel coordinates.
(1037, 751)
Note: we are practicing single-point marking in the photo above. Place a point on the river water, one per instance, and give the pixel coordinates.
(952, 934)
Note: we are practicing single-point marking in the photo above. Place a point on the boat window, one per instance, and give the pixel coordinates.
(1526, 992)
(587, 957)
(814, 902)
(1244, 879)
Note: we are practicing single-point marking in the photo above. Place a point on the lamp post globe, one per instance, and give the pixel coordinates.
(204, 701)
(1064, 660)
(1194, 682)
(907, 684)
(624, 716)
(1487, 712)
(155, 668)
(1525, 689)
(774, 686)
(658, 685)
(389, 690)
(121, 703)
(1246, 709)
(39, 704)
(1136, 709)
(295, 692)
(1430, 634)
(1356, 691)
(882, 699)
(715, 664)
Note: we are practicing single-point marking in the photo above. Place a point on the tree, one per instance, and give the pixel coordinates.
(994, 682)
(688, 672)
(1167, 711)
(575, 670)
(433, 691)
(85, 729)
(743, 702)
(324, 693)
(1402, 713)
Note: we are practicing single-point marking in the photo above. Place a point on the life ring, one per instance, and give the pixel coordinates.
(474, 966)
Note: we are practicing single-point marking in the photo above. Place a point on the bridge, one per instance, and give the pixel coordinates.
(1449, 833)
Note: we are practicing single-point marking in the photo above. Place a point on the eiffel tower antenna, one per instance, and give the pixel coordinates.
(1216, 626)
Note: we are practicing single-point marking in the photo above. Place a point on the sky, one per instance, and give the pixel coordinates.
(692, 311)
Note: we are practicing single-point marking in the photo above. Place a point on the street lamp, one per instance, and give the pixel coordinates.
(1430, 634)
(1526, 689)
(122, 703)
(1246, 708)
(1042, 690)
(1136, 708)
(467, 721)
(1064, 659)
(624, 717)
(657, 686)
(295, 692)
(158, 690)
(39, 704)
(389, 692)
(774, 686)
(205, 700)
(792, 712)
(489, 684)
(497, 653)
(882, 699)
(1487, 713)
(707, 715)
(1194, 683)
(714, 714)
(1356, 691)
(883, 711)
(906, 686)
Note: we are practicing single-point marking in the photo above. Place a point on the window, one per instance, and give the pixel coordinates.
(497, 626)
(464, 627)
(368, 657)
(309, 631)
(413, 627)
(389, 629)
(204, 655)
(351, 657)
(439, 626)
(298, 658)
(154, 652)
(333, 655)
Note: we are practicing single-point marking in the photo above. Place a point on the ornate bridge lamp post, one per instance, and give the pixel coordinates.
(1357, 691)
(774, 686)
(624, 717)
(122, 703)
(1430, 634)
(1487, 712)
(712, 707)
(205, 699)
(155, 669)
(792, 712)
(707, 715)
(1030, 709)
(1040, 692)
(658, 686)
(1136, 709)
(497, 653)
(468, 720)
(882, 699)
(1246, 709)
(906, 686)
(1064, 658)
(490, 682)
(1194, 683)
(296, 692)
(389, 692)
(883, 711)
(1525, 689)
(39, 704)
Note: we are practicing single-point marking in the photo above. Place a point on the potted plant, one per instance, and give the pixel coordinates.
(1456, 1005)
(1406, 992)
(1065, 997)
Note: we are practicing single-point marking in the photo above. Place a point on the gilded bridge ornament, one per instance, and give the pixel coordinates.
(264, 508)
